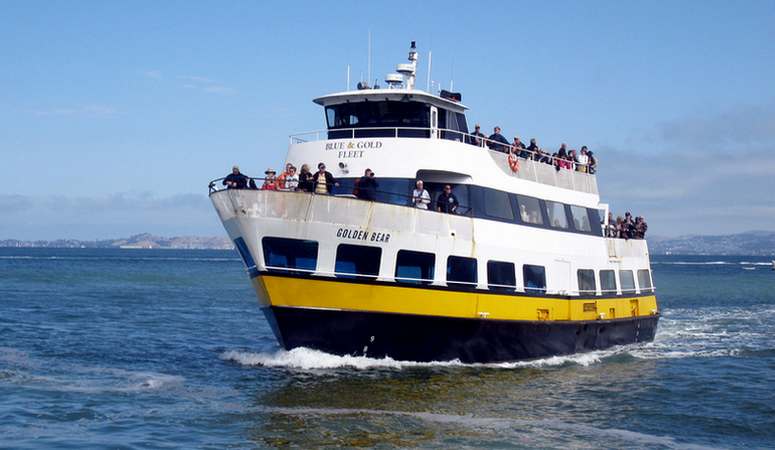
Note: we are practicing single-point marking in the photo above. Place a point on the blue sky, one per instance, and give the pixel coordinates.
(113, 116)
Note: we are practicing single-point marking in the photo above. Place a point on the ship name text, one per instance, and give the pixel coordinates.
(362, 235)
(350, 149)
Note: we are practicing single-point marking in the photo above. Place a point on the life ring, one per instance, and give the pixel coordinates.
(513, 162)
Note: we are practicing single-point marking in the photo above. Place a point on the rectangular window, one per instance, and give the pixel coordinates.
(627, 281)
(461, 272)
(644, 281)
(580, 218)
(501, 276)
(290, 253)
(587, 285)
(530, 210)
(497, 204)
(354, 260)
(556, 213)
(415, 267)
(608, 282)
(535, 278)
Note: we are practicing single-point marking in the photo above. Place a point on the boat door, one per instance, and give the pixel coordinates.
(434, 122)
(561, 279)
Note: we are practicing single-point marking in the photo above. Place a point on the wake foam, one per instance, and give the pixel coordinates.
(309, 359)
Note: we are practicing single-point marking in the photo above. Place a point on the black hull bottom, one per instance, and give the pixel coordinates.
(428, 338)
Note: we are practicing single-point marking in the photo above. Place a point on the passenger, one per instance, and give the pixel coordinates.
(447, 202)
(367, 186)
(533, 149)
(235, 180)
(592, 162)
(629, 226)
(621, 231)
(420, 197)
(305, 179)
(561, 160)
(477, 137)
(323, 181)
(573, 160)
(610, 230)
(283, 175)
(583, 158)
(641, 228)
(496, 139)
(291, 180)
(519, 147)
(544, 157)
(270, 182)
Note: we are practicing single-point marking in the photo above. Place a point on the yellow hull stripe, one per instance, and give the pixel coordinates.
(331, 294)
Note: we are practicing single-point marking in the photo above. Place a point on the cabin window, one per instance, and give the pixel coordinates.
(580, 218)
(357, 260)
(644, 281)
(556, 213)
(497, 204)
(461, 272)
(608, 282)
(501, 276)
(586, 281)
(415, 267)
(535, 278)
(627, 281)
(290, 253)
(530, 210)
(379, 114)
(242, 248)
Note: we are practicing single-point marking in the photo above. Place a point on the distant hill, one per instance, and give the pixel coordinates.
(144, 240)
(759, 243)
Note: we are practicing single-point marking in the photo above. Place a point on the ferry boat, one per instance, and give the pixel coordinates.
(521, 270)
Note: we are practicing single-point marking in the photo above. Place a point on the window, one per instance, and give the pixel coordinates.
(387, 114)
(461, 272)
(242, 248)
(290, 253)
(556, 213)
(580, 218)
(644, 281)
(354, 260)
(530, 210)
(627, 281)
(497, 204)
(535, 278)
(415, 267)
(586, 281)
(607, 282)
(501, 276)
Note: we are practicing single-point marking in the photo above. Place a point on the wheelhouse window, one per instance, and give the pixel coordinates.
(580, 218)
(530, 210)
(608, 282)
(535, 278)
(461, 272)
(357, 260)
(290, 253)
(497, 204)
(415, 267)
(644, 281)
(501, 276)
(587, 284)
(556, 213)
(627, 281)
(378, 114)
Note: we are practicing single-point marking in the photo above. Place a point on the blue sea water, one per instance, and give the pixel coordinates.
(168, 349)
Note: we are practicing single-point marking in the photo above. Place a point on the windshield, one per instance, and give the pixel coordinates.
(391, 114)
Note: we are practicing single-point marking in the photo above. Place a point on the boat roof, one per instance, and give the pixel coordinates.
(389, 94)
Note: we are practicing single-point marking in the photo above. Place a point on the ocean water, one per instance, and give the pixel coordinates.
(168, 349)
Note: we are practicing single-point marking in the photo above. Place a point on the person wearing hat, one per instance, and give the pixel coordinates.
(270, 182)
(477, 137)
(235, 180)
(367, 186)
(323, 181)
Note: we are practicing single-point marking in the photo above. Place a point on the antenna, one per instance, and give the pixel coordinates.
(369, 58)
(348, 77)
(452, 78)
(429, 71)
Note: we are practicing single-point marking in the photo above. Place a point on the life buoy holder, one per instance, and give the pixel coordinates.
(513, 162)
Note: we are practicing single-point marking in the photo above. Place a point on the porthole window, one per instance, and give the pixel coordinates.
(280, 253)
(461, 272)
(415, 267)
(357, 260)
(501, 276)
(535, 278)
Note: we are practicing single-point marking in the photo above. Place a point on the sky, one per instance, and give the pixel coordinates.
(115, 115)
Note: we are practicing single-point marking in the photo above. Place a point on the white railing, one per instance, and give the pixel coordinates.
(453, 283)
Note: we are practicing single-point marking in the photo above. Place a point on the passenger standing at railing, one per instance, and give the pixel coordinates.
(573, 159)
(291, 179)
(305, 179)
(367, 186)
(283, 175)
(323, 181)
(592, 162)
(270, 182)
(495, 138)
(640, 227)
(561, 160)
(583, 160)
(235, 180)
(518, 147)
(477, 137)
(420, 197)
(447, 202)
